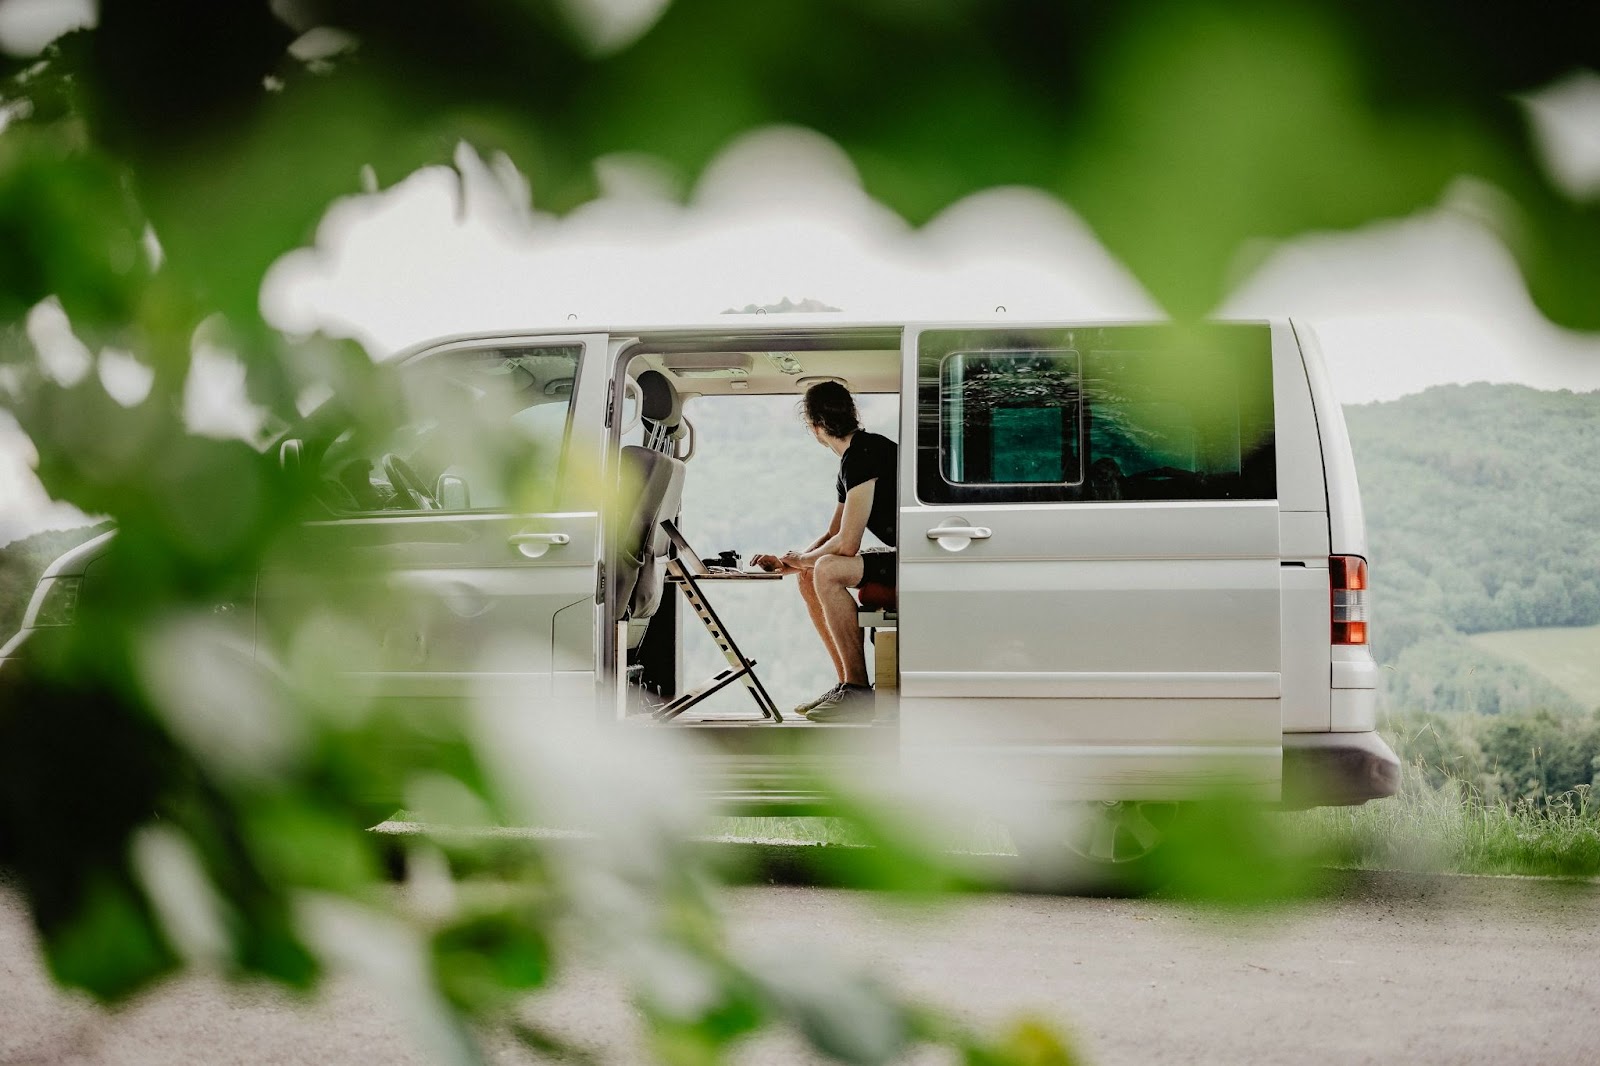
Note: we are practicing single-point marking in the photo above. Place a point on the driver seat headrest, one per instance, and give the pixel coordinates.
(659, 401)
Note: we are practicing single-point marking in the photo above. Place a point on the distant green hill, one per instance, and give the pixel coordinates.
(21, 563)
(1483, 514)
(1568, 656)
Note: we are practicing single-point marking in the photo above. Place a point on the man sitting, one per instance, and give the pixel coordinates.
(835, 562)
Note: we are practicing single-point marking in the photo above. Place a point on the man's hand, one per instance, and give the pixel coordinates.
(769, 563)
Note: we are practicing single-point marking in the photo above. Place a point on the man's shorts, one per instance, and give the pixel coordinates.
(877, 567)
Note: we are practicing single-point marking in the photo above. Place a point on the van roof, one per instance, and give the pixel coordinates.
(798, 329)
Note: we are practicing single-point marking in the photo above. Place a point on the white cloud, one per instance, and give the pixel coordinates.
(1431, 299)
(779, 213)
(26, 26)
(1566, 120)
(62, 356)
(125, 379)
(1399, 305)
(25, 507)
(215, 402)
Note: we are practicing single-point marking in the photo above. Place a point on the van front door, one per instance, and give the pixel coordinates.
(463, 545)
(1089, 560)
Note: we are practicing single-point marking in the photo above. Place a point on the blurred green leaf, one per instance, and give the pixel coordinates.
(69, 228)
(298, 843)
(482, 959)
(1028, 1042)
(1226, 850)
(110, 947)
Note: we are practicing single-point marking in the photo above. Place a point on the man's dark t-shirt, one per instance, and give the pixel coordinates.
(872, 455)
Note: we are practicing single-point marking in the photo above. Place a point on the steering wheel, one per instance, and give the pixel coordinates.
(407, 485)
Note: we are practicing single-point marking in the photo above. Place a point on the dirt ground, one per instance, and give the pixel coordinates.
(1384, 968)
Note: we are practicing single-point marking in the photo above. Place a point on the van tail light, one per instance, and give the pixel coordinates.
(1347, 581)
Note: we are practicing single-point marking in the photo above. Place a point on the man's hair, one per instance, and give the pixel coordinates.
(829, 404)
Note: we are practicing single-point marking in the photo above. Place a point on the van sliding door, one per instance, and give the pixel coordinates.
(1089, 560)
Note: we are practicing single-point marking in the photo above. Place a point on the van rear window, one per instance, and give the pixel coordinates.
(1095, 414)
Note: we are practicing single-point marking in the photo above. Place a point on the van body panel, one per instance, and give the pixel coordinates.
(1355, 689)
(1301, 485)
(1355, 710)
(1063, 772)
(1347, 530)
(442, 596)
(456, 598)
(1337, 768)
(1086, 684)
(1150, 616)
(1170, 607)
(1303, 537)
(1306, 633)
(983, 721)
(1355, 674)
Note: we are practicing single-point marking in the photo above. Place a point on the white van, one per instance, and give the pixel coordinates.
(1131, 560)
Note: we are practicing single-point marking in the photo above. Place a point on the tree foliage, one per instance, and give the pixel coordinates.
(1480, 517)
(1481, 508)
(21, 564)
(1526, 756)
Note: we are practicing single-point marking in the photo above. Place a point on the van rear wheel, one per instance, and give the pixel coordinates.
(1119, 833)
(1110, 847)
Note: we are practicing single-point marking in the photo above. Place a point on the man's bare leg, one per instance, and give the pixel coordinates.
(808, 592)
(835, 575)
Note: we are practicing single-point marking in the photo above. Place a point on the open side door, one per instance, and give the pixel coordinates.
(466, 545)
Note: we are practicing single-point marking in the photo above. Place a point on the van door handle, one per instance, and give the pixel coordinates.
(955, 537)
(534, 545)
(969, 532)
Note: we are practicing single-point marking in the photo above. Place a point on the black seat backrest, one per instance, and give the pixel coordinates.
(652, 485)
(657, 483)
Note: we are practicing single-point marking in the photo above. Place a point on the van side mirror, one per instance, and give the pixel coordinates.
(452, 494)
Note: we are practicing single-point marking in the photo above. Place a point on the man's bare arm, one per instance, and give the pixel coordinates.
(850, 525)
(773, 562)
(832, 530)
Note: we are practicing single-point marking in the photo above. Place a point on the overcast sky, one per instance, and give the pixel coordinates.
(1399, 305)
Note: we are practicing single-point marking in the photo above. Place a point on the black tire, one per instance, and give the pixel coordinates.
(1101, 848)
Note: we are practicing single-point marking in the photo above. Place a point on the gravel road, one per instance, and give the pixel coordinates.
(1386, 968)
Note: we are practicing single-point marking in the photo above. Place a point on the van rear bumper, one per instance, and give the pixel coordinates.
(1337, 769)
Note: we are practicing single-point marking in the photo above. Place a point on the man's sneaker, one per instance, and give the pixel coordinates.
(847, 703)
(804, 709)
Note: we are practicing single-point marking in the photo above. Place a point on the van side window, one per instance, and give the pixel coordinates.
(1009, 418)
(1095, 414)
(485, 430)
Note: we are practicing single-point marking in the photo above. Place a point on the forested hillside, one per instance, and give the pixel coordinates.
(1483, 506)
(1483, 514)
(21, 563)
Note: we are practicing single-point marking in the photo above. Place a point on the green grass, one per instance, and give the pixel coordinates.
(1568, 656)
(1424, 828)
(1451, 830)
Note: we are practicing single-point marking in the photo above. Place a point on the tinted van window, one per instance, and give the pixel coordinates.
(1096, 414)
(1009, 418)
